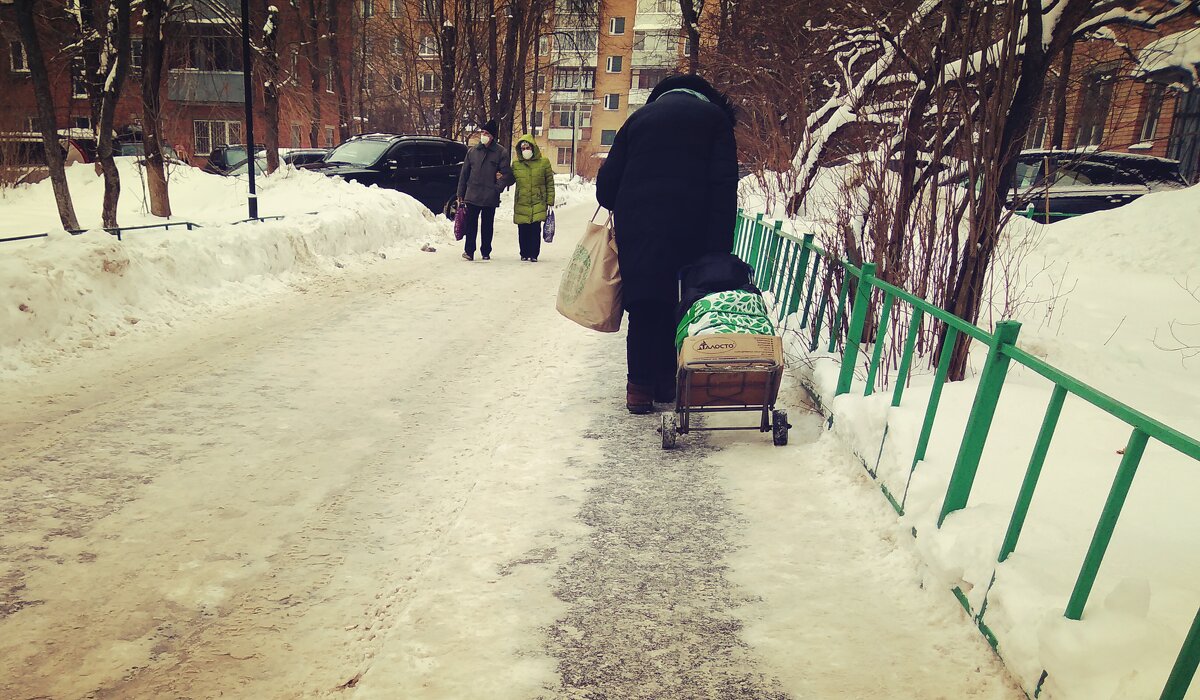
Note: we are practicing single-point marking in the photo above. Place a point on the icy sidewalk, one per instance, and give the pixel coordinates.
(412, 478)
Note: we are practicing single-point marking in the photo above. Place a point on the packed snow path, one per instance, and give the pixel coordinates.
(415, 480)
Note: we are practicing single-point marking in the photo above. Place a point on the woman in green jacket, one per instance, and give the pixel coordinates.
(534, 195)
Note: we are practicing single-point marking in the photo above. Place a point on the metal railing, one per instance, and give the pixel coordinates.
(121, 230)
(789, 267)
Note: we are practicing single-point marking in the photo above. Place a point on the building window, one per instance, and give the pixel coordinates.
(616, 26)
(607, 136)
(398, 83)
(19, 60)
(81, 123)
(562, 116)
(535, 121)
(564, 155)
(424, 11)
(614, 64)
(431, 82)
(540, 83)
(575, 79)
(576, 41)
(647, 78)
(368, 8)
(1094, 101)
(78, 79)
(397, 8)
(329, 76)
(656, 6)
(217, 52)
(543, 45)
(429, 46)
(397, 45)
(612, 101)
(1151, 108)
(296, 141)
(328, 137)
(135, 56)
(210, 133)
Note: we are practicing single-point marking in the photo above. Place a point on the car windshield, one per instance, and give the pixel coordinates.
(364, 152)
(260, 166)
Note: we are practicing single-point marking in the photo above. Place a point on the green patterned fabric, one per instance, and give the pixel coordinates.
(725, 312)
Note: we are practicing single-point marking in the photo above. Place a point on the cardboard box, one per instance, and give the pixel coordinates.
(730, 370)
(731, 346)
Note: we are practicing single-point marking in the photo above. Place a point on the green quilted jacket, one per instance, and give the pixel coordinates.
(535, 184)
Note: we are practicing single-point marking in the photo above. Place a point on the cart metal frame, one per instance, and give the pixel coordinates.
(771, 420)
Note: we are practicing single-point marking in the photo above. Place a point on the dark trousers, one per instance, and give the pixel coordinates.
(650, 345)
(474, 214)
(529, 237)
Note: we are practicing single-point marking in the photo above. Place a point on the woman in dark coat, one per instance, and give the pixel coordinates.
(670, 180)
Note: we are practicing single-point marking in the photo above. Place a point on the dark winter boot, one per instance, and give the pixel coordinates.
(664, 390)
(639, 398)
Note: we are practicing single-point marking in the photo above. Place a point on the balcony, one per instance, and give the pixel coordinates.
(563, 133)
(638, 96)
(651, 21)
(655, 59)
(569, 96)
(221, 87)
(569, 58)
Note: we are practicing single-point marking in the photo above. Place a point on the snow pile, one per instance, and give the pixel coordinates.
(64, 293)
(1112, 298)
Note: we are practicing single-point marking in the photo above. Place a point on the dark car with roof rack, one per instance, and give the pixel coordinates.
(423, 167)
(1054, 185)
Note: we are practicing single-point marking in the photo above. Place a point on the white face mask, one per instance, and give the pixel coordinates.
(526, 153)
(485, 139)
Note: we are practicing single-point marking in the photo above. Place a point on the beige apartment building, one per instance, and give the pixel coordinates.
(598, 73)
(593, 70)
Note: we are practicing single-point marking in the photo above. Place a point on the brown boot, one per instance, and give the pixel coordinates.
(639, 398)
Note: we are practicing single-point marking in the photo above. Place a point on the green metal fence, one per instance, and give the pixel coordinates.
(804, 281)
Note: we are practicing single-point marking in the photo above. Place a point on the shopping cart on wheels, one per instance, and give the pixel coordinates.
(749, 385)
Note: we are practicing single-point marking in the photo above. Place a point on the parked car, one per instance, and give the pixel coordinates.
(138, 150)
(296, 157)
(23, 154)
(424, 167)
(223, 158)
(1053, 185)
(303, 156)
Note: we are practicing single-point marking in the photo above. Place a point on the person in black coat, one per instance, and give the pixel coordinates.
(670, 180)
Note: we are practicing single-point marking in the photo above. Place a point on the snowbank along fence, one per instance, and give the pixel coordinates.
(790, 267)
(121, 230)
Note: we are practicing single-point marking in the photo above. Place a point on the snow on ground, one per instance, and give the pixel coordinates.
(1110, 298)
(409, 477)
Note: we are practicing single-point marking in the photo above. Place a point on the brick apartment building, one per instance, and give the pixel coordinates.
(202, 87)
(593, 70)
(1133, 91)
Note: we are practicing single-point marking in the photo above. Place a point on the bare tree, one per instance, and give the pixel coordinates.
(46, 112)
(270, 78)
(153, 50)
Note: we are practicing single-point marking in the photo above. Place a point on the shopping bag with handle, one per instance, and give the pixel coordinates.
(460, 220)
(590, 290)
(548, 227)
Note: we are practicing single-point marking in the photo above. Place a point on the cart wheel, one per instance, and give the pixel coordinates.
(779, 427)
(670, 430)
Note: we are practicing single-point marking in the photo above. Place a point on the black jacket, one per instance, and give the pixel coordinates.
(670, 180)
(477, 183)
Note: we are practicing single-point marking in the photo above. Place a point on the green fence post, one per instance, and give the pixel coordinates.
(815, 338)
(738, 237)
(841, 312)
(801, 269)
(880, 337)
(910, 343)
(1108, 521)
(935, 393)
(755, 242)
(858, 318)
(812, 284)
(1033, 472)
(772, 254)
(991, 381)
(788, 279)
(1185, 665)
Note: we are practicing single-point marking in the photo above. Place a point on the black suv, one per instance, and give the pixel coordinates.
(423, 167)
(1054, 185)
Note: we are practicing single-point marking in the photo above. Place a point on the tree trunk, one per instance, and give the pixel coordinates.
(449, 53)
(313, 52)
(270, 69)
(339, 82)
(46, 114)
(152, 64)
(691, 26)
(1060, 97)
(116, 63)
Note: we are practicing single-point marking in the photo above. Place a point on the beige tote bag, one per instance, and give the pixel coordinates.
(590, 291)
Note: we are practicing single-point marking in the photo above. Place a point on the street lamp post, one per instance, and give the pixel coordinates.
(252, 201)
